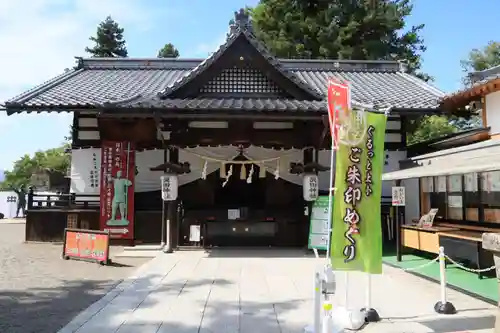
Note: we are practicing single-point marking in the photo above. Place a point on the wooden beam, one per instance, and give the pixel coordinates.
(279, 138)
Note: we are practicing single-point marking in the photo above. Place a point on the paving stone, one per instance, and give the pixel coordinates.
(40, 292)
(228, 291)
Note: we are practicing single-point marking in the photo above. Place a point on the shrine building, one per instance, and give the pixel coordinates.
(240, 129)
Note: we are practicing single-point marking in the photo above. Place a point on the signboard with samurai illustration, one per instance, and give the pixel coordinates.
(356, 243)
(117, 189)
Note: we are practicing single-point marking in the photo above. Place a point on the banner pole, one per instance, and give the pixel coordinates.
(371, 315)
(330, 201)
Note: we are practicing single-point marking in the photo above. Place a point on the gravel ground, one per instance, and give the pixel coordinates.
(40, 292)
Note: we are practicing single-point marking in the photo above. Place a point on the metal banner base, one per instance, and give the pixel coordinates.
(444, 308)
(371, 315)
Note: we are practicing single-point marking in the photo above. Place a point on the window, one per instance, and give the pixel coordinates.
(455, 199)
(471, 196)
(439, 197)
(427, 187)
(490, 195)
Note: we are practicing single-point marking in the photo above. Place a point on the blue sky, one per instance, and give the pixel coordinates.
(45, 35)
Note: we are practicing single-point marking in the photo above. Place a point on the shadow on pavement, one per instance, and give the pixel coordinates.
(46, 310)
(262, 252)
(454, 324)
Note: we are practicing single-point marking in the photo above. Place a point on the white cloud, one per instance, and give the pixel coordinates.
(39, 38)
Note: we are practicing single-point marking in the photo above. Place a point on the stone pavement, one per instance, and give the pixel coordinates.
(263, 291)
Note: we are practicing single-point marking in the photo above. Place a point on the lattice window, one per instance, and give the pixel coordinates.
(241, 80)
(72, 221)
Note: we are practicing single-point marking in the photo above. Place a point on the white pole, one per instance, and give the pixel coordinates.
(330, 199)
(346, 294)
(368, 300)
(442, 274)
(317, 303)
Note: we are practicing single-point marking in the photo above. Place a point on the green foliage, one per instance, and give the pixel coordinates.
(55, 159)
(168, 51)
(108, 41)
(333, 29)
(481, 59)
(431, 127)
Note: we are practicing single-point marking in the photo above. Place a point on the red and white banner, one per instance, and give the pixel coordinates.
(117, 188)
(339, 100)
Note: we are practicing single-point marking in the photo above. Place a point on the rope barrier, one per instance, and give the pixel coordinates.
(471, 270)
(482, 270)
(421, 266)
(324, 285)
(443, 306)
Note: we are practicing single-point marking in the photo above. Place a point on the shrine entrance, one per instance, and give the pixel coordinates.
(243, 205)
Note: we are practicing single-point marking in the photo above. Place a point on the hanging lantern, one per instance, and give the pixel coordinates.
(169, 187)
(310, 187)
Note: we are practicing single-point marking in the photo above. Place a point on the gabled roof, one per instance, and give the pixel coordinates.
(242, 33)
(97, 82)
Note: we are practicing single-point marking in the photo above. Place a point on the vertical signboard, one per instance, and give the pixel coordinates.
(117, 189)
(398, 196)
(310, 187)
(169, 187)
(319, 226)
(357, 233)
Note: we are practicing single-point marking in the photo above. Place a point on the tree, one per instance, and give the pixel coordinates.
(168, 51)
(55, 159)
(360, 30)
(431, 127)
(108, 40)
(481, 59)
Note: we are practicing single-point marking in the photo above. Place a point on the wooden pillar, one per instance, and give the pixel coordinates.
(397, 216)
(308, 157)
(172, 155)
(173, 206)
(164, 204)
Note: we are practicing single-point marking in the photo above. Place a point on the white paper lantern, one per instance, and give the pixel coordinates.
(169, 187)
(310, 187)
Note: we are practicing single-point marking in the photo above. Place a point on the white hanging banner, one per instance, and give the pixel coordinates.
(169, 187)
(310, 187)
(85, 171)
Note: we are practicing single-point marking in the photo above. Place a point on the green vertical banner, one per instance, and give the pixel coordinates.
(356, 243)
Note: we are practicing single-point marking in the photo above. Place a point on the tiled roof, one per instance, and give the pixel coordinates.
(247, 104)
(102, 81)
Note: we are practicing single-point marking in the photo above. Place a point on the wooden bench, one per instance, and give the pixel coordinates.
(423, 238)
